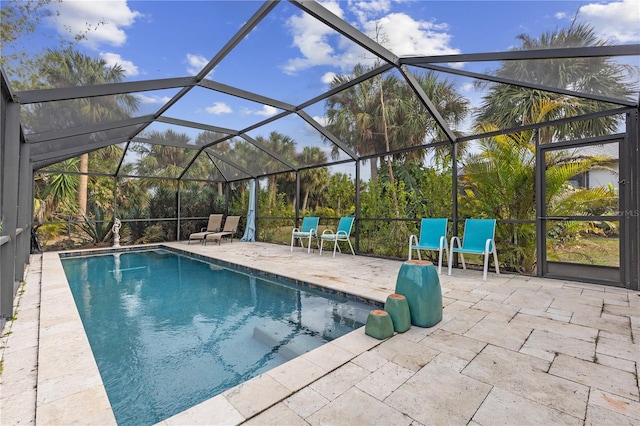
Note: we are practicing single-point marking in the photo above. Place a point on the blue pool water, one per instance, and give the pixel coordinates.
(169, 331)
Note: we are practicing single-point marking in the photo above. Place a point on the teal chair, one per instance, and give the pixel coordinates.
(343, 233)
(478, 238)
(308, 230)
(433, 236)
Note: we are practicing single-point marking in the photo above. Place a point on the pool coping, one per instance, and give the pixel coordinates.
(70, 389)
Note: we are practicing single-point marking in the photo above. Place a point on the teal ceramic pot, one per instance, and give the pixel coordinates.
(398, 309)
(379, 324)
(418, 281)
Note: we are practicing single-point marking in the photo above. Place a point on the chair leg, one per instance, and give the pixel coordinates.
(335, 245)
(495, 260)
(321, 244)
(440, 261)
(309, 248)
(486, 266)
(351, 247)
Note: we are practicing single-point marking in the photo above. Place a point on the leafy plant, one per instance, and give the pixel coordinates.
(95, 227)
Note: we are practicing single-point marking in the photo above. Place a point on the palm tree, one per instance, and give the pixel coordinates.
(69, 68)
(353, 117)
(499, 182)
(206, 138)
(313, 181)
(165, 156)
(285, 147)
(509, 106)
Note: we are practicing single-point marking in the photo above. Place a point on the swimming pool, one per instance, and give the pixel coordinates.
(169, 330)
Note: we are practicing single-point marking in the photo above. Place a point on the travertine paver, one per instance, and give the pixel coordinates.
(595, 375)
(355, 407)
(499, 333)
(455, 344)
(564, 329)
(255, 395)
(19, 352)
(598, 416)
(344, 378)
(545, 345)
(505, 408)
(306, 402)
(385, 380)
(297, 373)
(280, 414)
(509, 350)
(438, 395)
(217, 410)
(618, 349)
(527, 376)
(406, 353)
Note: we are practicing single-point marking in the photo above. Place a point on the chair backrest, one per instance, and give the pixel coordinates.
(345, 225)
(477, 232)
(309, 223)
(431, 229)
(231, 224)
(215, 221)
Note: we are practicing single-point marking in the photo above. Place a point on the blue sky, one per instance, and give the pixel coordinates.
(292, 57)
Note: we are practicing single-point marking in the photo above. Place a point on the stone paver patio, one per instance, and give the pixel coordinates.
(509, 350)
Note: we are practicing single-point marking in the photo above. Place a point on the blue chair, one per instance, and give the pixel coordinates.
(433, 236)
(478, 239)
(343, 233)
(308, 230)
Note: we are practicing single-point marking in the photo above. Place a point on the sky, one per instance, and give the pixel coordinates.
(292, 57)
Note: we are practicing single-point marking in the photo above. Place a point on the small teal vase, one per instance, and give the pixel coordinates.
(398, 309)
(379, 324)
(418, 281)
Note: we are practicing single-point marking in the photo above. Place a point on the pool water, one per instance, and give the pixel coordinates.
(169, 331)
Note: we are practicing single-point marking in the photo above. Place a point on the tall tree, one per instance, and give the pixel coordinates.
(313, 181)
(499, 182)
(285, 147)
(509, 106)
(165, 156)
(69, 68)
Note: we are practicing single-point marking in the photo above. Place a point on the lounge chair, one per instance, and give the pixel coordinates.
(214, 225)
(433, 236)
(230, 229)
(342, 234)
(308, 230)
(478, 239)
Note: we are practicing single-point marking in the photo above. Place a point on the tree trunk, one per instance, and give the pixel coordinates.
(394, 196)
(305, 199)
(83, 186)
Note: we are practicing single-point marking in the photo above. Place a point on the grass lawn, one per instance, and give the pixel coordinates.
(592, 250)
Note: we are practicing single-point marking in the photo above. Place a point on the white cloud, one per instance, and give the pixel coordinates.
(152, 99)
(405, 36)
(322, 120)
(267, 111)
(328, 77)
(365, 10)
(101, 22)
(312, 38)
(113, 59)
(319, 45)
(219, 108)
(467, 87)
(618, 21)
(195, 63)
(560, 15)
